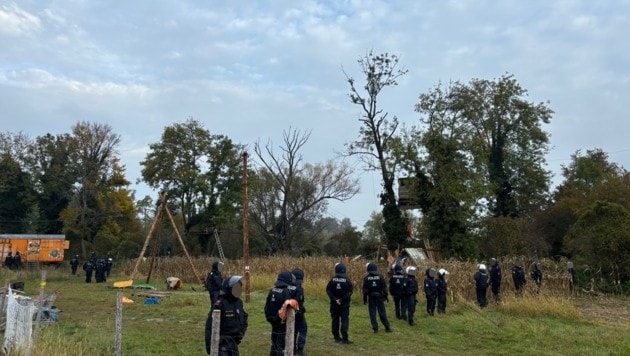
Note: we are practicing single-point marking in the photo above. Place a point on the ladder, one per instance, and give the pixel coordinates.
(218, 241)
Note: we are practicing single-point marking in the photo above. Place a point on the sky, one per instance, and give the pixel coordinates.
(252, 70)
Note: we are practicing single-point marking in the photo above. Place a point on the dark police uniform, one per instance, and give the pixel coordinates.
(339, 290)
(375, 294)
(214, 280)
(234, 321)
(275, 300)
(442, 290)
(301, 328)
(430, 291)
(411, 291)
(397, 290)
(495, 280)
(481, 285)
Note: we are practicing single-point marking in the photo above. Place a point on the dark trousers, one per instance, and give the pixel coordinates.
(278, 334)
(340, 315)
(431, 299)
(496, 292)
(481, 297)
(376, 304)
(410, 306)
(300, 331)
(400, 307)
(441, 303)
(228, 347)
(88, 277)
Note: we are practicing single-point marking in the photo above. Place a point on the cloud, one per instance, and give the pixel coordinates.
(16, 22)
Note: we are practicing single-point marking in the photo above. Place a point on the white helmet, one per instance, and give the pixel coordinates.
(482, 266)
(410, 270)
(442, 272)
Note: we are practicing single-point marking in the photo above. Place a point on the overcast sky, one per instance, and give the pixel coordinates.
(252, 69)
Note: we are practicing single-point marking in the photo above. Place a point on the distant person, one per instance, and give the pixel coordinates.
(442, 291)
(17, 260)
(481, 285)
(109, 263)
(411, 292)
(375, 294)
(74, 264)
(301, 328)
(99, 272)
(495, 279)
(518, 276)
(214, 280)
(88, 267)
(275, 311)
(8, 260)
(430, 290)
(339, 291)
(537, 276)
(233, 321)
(571, 276)
(397, 291)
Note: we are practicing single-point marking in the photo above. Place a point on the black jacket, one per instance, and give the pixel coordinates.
(234, 320)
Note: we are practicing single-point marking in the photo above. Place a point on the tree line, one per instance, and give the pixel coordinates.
(474, 163)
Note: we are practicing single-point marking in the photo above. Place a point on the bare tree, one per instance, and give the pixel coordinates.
(377, 140)
(291, 194)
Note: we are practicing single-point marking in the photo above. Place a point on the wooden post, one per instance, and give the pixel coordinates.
(118, 336)
(245, 229)
(289, 338)
(216, 333)
(146, 241)
(38, 320)
(181, 242)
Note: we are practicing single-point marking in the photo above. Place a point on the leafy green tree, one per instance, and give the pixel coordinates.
(509, 141)
(344, 243)
(16, 196)
(92, 151)
(50, 161)
(601, 238)
(377, 136)
(590, 177)
(288, 196)
(447, 185)
(200, 172)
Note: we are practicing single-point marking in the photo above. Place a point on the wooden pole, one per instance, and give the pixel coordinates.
(38, 321)
(245, 230)
(118, 336)
(158, 215)
(181, 241)
(289, 338)
(216, 333)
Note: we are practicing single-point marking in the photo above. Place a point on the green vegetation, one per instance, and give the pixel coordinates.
(532, 325)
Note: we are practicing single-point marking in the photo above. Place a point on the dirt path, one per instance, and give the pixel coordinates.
(607, 309)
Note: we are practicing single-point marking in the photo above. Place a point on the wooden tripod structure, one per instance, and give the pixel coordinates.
(163, 210)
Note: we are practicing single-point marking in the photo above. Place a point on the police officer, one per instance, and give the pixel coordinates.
(518, 276)
(74, 264)
(537, 276)
(88, 267)
(214, 280)
(411, 291)
(300, 318)
(339, 291)
(100, 271)
(495, 279)
(274, 307)
(233, 318)
(109, 263)
(375, 295)
(8, 261)
(430, 290)
(442, 290)
(397, 290)
(481, 285)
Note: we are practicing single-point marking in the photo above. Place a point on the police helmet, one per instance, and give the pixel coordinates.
(340, 268)
(284, 279)
(411, 271)
(481, 266)
(442, 272)
(217, 266)
(371, 267)
(299, 275)
(232, 286)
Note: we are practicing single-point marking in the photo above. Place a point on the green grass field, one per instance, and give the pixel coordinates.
(534, 325)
